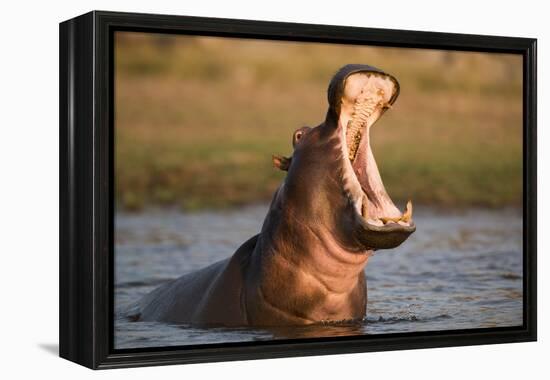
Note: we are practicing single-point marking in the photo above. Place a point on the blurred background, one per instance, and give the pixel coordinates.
(197, 119)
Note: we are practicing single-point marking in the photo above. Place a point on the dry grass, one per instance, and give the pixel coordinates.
(197, 120)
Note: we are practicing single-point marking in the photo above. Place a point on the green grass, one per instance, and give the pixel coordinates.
(197, 120)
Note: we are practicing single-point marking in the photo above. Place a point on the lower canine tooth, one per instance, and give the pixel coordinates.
(407, 216)
(365, 208)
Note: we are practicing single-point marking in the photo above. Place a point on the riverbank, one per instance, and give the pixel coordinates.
(197, 120)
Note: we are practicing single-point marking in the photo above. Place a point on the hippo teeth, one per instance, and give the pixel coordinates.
(366, 104)
(404, 219)
(365, 207)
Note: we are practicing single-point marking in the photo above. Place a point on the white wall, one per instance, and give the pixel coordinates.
(29, 185)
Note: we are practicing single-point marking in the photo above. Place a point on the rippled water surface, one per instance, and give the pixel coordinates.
(460, 270)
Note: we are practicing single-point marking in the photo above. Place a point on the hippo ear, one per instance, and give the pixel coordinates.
(281, 162)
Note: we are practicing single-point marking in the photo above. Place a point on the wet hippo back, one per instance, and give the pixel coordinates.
(210, 296)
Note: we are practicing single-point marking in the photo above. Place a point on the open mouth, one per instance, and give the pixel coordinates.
(366, 96)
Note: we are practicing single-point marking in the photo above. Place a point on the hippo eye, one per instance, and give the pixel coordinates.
(297, 136)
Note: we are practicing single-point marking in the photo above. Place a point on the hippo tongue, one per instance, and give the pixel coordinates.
(366, 170)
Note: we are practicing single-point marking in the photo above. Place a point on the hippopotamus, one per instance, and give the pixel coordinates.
(324, 223)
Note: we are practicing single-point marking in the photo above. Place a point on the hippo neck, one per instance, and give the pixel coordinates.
(303, 275)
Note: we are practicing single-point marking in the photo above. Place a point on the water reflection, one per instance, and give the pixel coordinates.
(458, 271)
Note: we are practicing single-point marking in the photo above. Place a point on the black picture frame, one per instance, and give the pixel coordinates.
(86, 188)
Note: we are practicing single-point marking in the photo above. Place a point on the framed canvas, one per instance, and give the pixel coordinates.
(225, 193)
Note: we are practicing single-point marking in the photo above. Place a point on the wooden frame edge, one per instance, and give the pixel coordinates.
(86, 190)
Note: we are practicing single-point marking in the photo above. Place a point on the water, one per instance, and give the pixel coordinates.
(459, 270)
